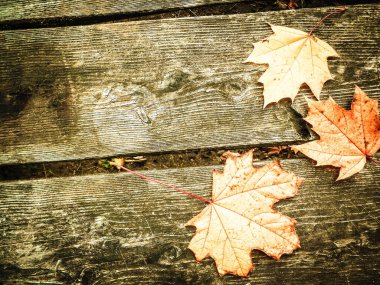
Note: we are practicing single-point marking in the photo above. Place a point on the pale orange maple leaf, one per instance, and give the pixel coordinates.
(294, 58)
(241, 217)
(347, 138)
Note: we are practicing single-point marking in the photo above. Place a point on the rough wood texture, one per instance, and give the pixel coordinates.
(118, 229)
(150, 86)
(42, 9)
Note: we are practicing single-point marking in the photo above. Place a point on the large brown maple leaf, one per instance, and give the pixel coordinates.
(240, 217)
(347, 138)
(294, 58)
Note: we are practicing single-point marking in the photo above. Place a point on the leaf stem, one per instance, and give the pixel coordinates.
(162, 183)
(325, 17)
(373, 160)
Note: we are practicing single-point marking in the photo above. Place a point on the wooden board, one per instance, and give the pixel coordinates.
(11, 10)
(166, 85)
(118, 229)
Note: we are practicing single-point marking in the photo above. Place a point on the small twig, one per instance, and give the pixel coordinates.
(325, 17)
(75, 170)
(194, 14)
(230, 9)
(162, 183)
(57, 267)
(43, 165)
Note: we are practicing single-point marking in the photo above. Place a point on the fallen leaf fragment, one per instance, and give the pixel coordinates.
(347, 138)
(117, 162)
(241, 217)
(294, 58)
(277, 149)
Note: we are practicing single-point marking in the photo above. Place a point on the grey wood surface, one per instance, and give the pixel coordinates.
(164, 85)
(119, 229)
(11, 10)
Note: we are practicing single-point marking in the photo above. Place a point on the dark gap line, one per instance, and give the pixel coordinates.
(179, 159)
(207, 10)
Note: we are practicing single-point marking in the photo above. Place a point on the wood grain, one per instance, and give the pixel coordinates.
(118, 229)
(11, 10)
(165, 85)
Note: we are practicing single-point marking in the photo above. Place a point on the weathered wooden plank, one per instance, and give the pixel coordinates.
(118, 229)
(11, 10)
(165, 85)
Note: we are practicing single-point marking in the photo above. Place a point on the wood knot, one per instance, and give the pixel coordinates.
(165, 255)
(173, 81)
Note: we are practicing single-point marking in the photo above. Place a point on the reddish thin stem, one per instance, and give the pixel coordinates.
(325, 17)
(373, 160)
(164, 184)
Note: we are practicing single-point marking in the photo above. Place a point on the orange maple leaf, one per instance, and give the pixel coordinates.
(294, 58)
(347, 138)
(241, 217)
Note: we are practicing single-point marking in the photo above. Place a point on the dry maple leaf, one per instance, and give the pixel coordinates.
(347, 138)
(241, 217)
(294, 58)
